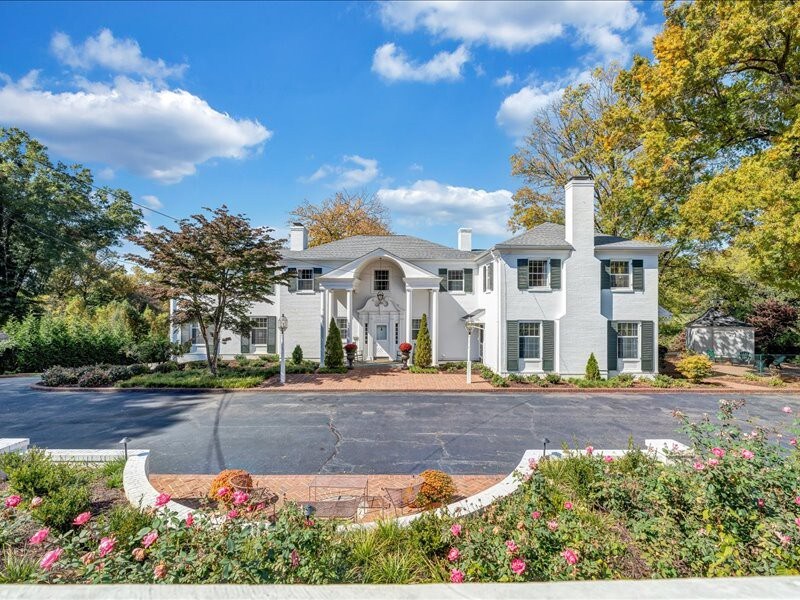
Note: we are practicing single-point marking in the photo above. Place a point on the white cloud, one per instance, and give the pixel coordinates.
(106, 174)
(392, 63)
(152, 201)
(510, 25)
(506, 79)
(354, 171)
(108, 52)
(416, 167)
(430, 203)
(159, 133)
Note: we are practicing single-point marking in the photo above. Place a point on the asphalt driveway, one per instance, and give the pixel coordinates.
(363, 433)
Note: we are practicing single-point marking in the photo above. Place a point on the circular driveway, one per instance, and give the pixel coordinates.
(276, 433)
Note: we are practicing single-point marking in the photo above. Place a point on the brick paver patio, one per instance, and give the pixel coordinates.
(187, 489)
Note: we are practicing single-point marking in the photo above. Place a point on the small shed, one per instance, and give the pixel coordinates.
(726, 336)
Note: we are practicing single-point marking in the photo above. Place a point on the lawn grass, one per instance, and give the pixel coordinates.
(192, 379)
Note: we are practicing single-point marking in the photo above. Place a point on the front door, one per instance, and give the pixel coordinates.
(381, 336)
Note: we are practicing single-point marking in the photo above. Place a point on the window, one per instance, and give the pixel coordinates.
(620, 273)
(627, 340)
(305, 279)
(380, 282)
(341, 323)
(537, 273)
(397, 333)
(530, 337)
(381, 333)
(194, 334)
(415, 328)
(259, 331)
(488, 277)
(455, 281)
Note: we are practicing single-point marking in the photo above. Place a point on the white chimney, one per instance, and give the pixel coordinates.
(465, 238)
(298, 237)
(579, 213)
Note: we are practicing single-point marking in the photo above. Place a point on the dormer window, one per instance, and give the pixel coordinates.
(537, 273)
(620, 271)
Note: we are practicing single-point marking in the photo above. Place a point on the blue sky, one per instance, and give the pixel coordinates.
(263, 105)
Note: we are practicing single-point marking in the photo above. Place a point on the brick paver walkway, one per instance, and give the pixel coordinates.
(187, 489)
(380, 379)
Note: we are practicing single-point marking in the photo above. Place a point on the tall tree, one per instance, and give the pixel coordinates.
(214, 268)
(50, 216)
(343, 215)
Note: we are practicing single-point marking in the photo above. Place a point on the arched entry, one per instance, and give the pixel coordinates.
(382, 321)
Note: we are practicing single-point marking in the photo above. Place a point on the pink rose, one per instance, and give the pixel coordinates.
(456, 576)
(13, 501)
(589, 450)
(453, 555)
(162, 500)
(511, 546)
(713, 462)
(232, 514)
(552, 525)
(517, 566)
(160, 571)
(793, 442)
(797, 521)
(718, 452)
(567, 505)
(223, 491)
(49, 559)
(787, 410)
(570, 556)
(82, 518)
(39, 536)
(747, 455)
(698, 466)
(785, 539)
(240, 497)
(536, 514)
(189, 520)
(106, 546)
(150, 539)
(532, 464)
(36, 501)
(455, 529)
(294, 557)
(760, 502)
(608, 459)
(797, 500)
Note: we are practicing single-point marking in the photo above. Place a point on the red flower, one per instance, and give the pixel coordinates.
(405, 347)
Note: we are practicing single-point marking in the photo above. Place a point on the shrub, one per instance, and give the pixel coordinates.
(592, 369)
(297, 355)
(695, 367)
(60, 507)
(224, 480)
(332, 370)
(454, 367)
(662, 381)
(137, 369)
(517, 378)
(271, 358)
(125, 522)
(422, 352)
(34, 474)
(111, 472)
(118, 373)
(59, 376)
(553, 378)
(193, 365)
(623, 380)
(95, 377)
(420, 370)
(196, 379)
(153, 349)
(437, 488)
(171, 366)
(334, 354)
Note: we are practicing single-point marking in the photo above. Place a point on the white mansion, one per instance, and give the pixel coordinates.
(542, 301)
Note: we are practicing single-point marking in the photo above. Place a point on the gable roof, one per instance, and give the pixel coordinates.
(714, 317)
(402, 246)
(553, 235)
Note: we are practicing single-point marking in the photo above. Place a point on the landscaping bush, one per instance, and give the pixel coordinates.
(95, 377)
(193, 379)
(59, 508)
(422, 351)
(224, 481)
(125, 523)
(272, 358)
(334, 353)
(695, 367)
(553, 378)
(330, 370)
(592, 369)
(59, 376)
(662, 381)
(437, 489)
(153, 350)
(455, 367)
(423, 370)
(137, 369)
(171, 366)
(297, 355)
(193, 365)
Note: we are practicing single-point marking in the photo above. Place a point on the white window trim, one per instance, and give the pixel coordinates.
(546, 286)
(487, 279)
(541, 336)
(388, 278)
(461, 291)
(265, 328)
(638, 344)
(629, 287)
(299, 279)
(342, 330)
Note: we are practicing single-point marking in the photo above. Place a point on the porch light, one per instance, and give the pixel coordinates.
(283, 325)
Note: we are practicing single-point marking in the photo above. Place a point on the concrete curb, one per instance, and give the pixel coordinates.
(137, 487)
(13, 444)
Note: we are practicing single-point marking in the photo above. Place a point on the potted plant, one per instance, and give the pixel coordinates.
(405, 352)
(350, 351)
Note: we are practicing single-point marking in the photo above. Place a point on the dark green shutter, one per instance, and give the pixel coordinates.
(271, 326)
(605, 274)
(522, 273)
(555, 273)
(512, 345)
(648, 354)
(612, 346)
(548, 346)
(292, 272)
(443, 282)
(317, 273)
(244, 345)
(638, 275)
(468, 280)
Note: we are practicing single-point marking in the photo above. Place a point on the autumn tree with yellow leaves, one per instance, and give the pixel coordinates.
(343, 215)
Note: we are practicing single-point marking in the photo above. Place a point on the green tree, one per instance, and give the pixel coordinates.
(215, 269)
(422, 349)
(592, 368)
(334, 353)
(297, 355)
(51, 216)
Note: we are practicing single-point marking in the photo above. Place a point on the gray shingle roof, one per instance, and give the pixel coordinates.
(552, 235)
(402, 246)
(714, 317)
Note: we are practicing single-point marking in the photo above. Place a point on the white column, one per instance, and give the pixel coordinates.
(323, 324)
(434, 326)
(409, 313)
(349, 315)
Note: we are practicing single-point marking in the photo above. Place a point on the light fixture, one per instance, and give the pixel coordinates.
(545, 441)
(283, 323)
(125, 441)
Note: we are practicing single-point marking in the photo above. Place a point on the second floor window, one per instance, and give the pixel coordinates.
(488, 277)
(620, 271)
(381, 281)
(455, 281)
(305, 279)
(530, 340)
(537, 273)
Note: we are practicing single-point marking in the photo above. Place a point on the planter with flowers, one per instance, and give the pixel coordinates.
(405, 353)
(350, 352)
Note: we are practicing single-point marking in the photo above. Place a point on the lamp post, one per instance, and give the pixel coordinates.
(283, 324)
(470, 325)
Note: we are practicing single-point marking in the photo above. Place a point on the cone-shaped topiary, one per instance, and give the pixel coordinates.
(422, 352)
(592, 369)
(334, 354)
(297, 355)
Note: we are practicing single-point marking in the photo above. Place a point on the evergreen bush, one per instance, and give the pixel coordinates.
(422, 352)
(297, 355)
(592, 369)
(334, 353)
